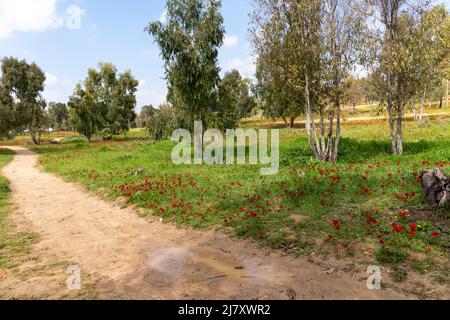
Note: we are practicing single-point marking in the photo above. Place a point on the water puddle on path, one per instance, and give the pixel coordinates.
(181, 264)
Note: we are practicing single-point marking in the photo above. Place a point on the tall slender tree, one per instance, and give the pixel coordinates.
(189, 41)
(403, 57)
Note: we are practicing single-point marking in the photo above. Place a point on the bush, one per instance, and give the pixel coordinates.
(390, 255)
(163, 123)
(106, 134)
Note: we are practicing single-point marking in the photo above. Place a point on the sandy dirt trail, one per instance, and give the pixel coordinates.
(128, 257)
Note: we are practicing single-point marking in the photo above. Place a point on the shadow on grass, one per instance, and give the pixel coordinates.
(352, 151)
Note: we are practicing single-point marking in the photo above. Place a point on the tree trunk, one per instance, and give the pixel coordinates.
(422, 104)
(390, 109)
(310, 125)
(399, 148)
(335, 154)
(285, 121)
(33, 136)
(446, 104)
(292, 123)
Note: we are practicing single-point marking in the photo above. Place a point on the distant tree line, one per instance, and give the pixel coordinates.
(308, 54)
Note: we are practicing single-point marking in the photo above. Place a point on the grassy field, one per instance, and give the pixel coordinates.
(369, 204)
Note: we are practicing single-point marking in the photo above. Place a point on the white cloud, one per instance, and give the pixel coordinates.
(153, 96)
(50, 79)
(74, 13)
(57, 89)
(32, 16)
(163, 17)
(246, 68)
(230, 41)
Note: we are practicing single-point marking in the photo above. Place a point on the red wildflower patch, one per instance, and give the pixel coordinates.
(435, 234)
(337, 224)
(397, 228)
(372, 220)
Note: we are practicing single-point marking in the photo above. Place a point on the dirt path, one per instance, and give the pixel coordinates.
(125, 256)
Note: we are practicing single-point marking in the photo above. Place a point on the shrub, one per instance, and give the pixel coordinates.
(106, 134)
(163, 123)
(390, 255)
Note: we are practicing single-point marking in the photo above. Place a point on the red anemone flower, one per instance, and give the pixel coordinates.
(397, 228)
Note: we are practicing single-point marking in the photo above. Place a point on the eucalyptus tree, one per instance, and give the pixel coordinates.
(306, 51)
(189, 41)
(145, 116)
(433, 39)
(21, 100)
(59, 116)
(274, 37)
(403, 36)
(104, 101)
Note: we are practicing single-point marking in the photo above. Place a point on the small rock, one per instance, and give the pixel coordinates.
(331, 271)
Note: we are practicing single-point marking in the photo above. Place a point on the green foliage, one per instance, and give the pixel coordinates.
(409, 46)
(145, 117)
(189, 43)
(234, 102)
(399, 274)
(59, 116)
(104, 100)
(21, 102)
(390, 255)
(164, 121)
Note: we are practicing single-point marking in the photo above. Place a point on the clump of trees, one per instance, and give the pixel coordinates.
(22, 106)
(104, 102)
(163, 123)
(409, 43)
(59, 116)
(145, 117)
(308, 50)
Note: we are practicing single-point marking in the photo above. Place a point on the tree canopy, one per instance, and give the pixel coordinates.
(104, 102)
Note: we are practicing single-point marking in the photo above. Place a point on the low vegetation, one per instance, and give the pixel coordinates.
(371, 201)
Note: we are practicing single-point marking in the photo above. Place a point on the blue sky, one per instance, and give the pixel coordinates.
(110, 31)
(46, 32)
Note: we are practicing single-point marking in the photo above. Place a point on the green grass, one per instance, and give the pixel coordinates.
(356, 200)
(14, 246)
(5, 157)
